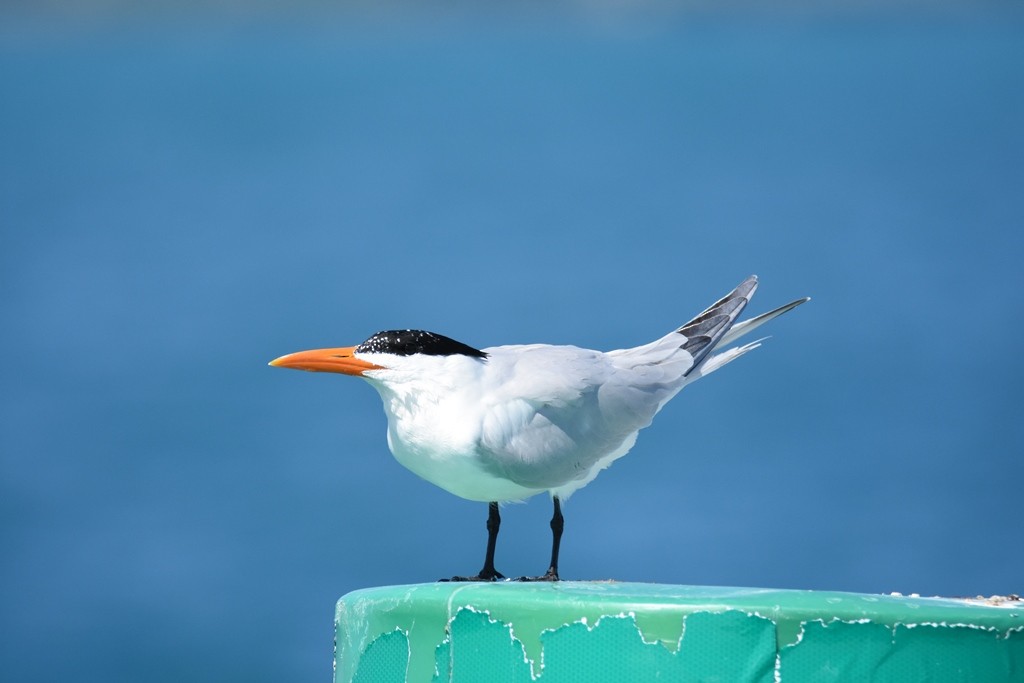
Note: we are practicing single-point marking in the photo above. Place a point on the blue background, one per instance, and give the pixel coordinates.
(186, 195)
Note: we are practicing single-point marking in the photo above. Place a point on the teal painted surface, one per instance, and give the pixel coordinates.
(571, 631)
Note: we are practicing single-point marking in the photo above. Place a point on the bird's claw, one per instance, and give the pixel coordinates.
(550, 576)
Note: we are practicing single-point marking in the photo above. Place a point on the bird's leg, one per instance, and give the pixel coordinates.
(488, 573)
(557, 524)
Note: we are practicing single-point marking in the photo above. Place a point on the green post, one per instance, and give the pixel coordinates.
(606, 631)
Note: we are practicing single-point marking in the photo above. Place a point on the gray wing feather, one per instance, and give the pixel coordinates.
(707, 330)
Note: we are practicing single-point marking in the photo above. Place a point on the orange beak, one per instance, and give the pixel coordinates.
(340, 360)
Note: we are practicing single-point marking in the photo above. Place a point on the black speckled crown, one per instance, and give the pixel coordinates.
(411, 342)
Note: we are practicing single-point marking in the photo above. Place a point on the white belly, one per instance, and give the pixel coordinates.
(456, 470)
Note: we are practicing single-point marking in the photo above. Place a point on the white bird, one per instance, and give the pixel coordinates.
(508, 422)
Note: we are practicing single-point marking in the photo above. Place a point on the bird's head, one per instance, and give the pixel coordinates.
(391, 350)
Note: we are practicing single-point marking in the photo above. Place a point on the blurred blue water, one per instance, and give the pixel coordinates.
(181, 202)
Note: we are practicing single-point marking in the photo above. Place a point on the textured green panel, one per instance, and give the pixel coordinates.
(949, 654)
(384, 660)
(442, 663)
(482, 649)
(936, 653)
(603, 631)
(611, 652)
(728, 646)
(837, 651)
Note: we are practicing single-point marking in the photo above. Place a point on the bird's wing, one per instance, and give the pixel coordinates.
(706, 331)
(542, 373)
(689, 352)
(555, 411)
(747, 326)
(556, 415)
(687, 347)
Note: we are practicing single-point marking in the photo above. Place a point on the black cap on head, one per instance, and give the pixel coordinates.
(411, 342)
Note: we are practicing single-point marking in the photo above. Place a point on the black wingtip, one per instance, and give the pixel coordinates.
(703, 332)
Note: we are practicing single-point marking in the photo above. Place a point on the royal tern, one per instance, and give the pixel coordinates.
(505, 423)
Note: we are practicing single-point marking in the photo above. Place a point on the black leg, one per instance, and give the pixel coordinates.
(488, 573)
(557, 524)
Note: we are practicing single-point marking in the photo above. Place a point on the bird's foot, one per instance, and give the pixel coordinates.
(484, 575)
(551, 575)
